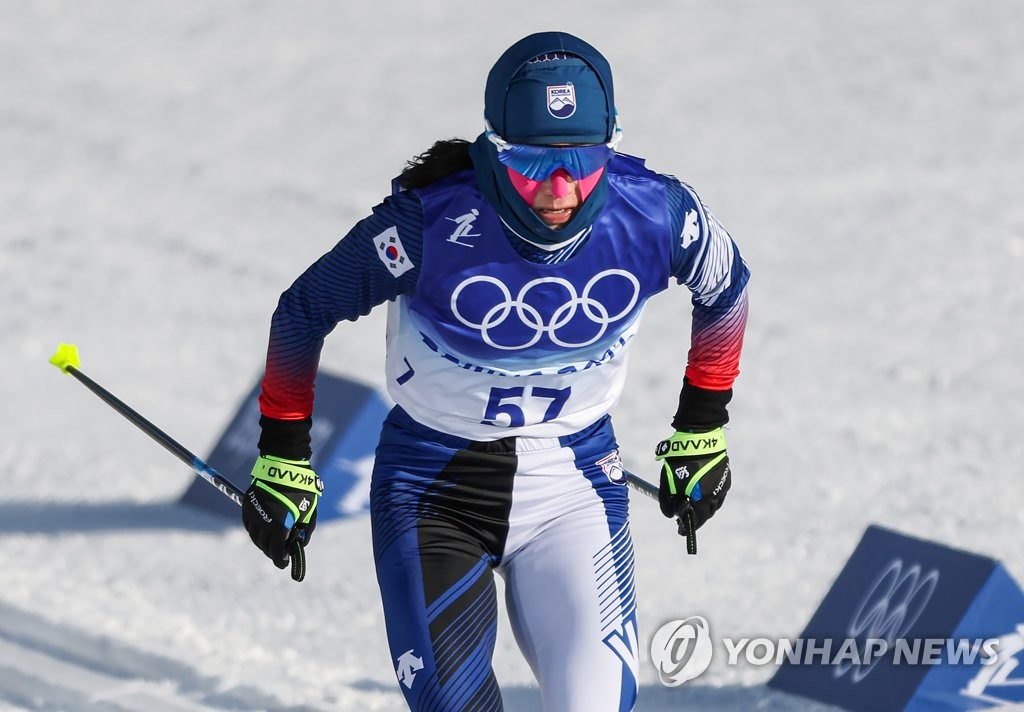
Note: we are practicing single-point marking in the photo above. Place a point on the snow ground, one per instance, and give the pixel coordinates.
(167, 168)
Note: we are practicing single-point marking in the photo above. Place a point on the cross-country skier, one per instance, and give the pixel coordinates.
(516, 268)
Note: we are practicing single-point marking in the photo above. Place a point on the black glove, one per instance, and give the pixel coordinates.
(695, 477)
(279, 510)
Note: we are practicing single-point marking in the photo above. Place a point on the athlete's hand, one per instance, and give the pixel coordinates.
(695, 478)
(279, 508)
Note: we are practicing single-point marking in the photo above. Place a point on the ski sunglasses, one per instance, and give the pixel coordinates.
(537, 162)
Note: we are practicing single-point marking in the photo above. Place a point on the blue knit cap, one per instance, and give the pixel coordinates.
(551, 87)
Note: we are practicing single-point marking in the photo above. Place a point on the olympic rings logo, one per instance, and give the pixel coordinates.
(888, 610)
(528, 317)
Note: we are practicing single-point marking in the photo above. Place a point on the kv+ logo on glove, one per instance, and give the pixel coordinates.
(695, 477)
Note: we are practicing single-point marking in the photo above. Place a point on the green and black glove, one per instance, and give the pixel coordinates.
(695, 473)
(695, 477)
(279, 510)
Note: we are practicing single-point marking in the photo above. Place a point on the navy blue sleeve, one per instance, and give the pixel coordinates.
(377, 261)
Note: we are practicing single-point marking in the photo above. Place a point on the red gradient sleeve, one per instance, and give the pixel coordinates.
(715, 345)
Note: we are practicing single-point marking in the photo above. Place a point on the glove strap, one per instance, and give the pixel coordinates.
(298, 558)
(687, 528)
(690, 533)
(692, 444)
(296, 474)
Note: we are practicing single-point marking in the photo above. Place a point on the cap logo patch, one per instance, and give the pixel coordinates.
(562, 100)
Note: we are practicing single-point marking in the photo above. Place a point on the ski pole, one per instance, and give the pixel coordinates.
(684, 518)
(66, 359)
(642, 486)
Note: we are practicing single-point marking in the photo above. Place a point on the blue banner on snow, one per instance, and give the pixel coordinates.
(934, 629)
(347, 418)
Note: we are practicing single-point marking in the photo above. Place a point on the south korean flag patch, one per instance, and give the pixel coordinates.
(392, 253)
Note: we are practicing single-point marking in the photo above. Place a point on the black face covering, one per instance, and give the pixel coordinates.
(493, 181)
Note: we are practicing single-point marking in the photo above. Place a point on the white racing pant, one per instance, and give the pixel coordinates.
(548, 514)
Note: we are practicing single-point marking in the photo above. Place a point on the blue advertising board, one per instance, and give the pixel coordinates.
(347, 417)
(927, 628)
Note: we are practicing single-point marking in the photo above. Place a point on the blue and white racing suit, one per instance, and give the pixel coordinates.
(504, 361)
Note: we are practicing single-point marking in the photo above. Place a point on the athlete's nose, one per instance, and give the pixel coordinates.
(560, 183)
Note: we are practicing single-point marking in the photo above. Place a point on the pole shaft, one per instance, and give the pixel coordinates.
(642, 486)
(135, 418)
(211, 475)
(170, 444)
